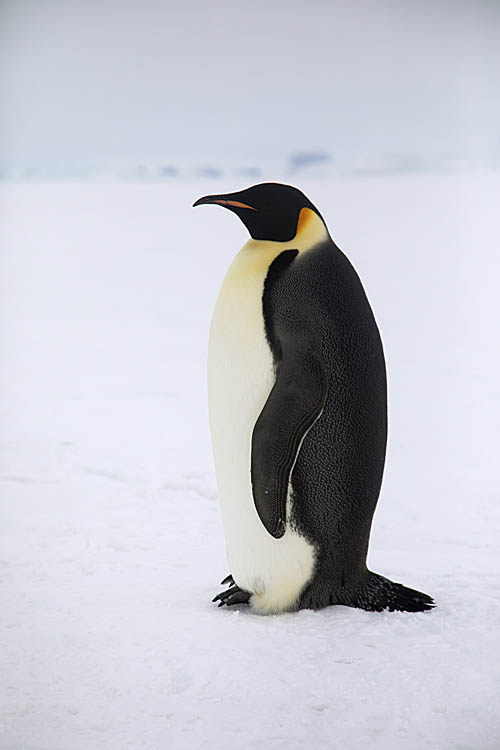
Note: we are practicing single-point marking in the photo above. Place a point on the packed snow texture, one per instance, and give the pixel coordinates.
(111, 542)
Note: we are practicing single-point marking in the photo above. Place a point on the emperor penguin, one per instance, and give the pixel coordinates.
(298, 414)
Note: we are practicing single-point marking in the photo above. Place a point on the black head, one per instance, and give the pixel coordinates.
(269, 211)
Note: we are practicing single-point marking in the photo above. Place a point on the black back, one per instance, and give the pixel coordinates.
(338, 472)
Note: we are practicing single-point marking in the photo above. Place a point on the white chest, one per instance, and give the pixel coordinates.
(240, 378)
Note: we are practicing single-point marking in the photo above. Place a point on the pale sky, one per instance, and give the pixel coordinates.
(96, 81)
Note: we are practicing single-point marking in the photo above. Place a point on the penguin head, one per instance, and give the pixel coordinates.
(270, 211)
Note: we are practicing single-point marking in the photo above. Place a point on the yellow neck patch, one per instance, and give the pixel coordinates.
(311, 230)
(305, 217)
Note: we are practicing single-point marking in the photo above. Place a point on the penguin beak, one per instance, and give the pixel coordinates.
(222, 200)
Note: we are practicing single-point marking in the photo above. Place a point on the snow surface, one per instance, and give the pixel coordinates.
(111, 543)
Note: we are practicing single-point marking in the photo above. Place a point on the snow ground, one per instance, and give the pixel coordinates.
(111, 545)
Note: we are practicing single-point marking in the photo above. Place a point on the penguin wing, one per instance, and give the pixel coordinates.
(293, 406)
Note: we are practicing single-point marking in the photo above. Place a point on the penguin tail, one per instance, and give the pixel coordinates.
(378, 593)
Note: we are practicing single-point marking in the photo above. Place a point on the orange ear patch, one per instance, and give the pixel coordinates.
(305, 217)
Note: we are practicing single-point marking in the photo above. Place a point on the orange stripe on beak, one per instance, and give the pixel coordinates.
(236, 204)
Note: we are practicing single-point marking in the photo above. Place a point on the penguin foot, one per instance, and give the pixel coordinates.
(379, 593)
(233, 595)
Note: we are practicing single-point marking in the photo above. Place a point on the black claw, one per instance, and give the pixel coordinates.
(232, 595)
(227, 579)
(224, 594)
(241, 597)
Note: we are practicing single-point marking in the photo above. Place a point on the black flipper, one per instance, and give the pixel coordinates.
(293, 406)
(378, 593)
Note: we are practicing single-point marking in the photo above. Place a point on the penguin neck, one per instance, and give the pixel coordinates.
(311, 231)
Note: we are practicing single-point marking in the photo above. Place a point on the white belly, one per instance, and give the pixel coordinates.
(240, 378)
